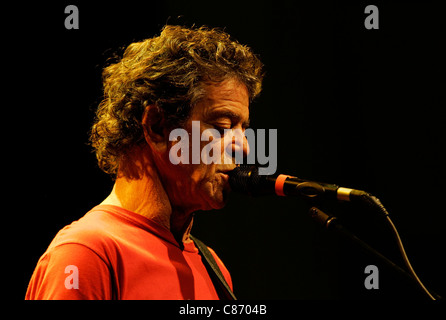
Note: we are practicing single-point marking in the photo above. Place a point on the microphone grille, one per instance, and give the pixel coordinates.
(245, 179)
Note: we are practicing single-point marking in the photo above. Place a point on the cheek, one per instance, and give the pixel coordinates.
(203, 181)
(214, 152)
(191, 175)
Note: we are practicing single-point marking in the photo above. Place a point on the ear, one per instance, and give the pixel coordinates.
(153, 124)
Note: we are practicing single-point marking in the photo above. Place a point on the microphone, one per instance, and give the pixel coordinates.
(246, 179)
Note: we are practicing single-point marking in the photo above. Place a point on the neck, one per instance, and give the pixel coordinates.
(142, 192)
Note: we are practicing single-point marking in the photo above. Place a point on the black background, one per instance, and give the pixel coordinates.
(360, 108)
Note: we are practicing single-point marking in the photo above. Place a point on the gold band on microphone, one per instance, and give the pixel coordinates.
(343, 194)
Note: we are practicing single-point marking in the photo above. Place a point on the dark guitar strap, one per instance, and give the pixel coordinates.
(221, 286)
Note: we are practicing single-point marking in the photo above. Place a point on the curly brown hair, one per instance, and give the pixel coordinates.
(167, 71)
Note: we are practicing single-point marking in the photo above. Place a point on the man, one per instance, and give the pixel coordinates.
(136, 244)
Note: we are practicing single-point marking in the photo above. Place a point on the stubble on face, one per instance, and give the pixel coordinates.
(205, 186)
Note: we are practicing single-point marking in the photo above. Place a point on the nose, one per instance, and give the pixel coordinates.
(238, 146)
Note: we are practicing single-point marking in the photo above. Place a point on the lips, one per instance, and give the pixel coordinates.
(223, 172)
(225, 176)
(225, 181)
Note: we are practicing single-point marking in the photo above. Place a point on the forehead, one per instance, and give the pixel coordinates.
(229, 96)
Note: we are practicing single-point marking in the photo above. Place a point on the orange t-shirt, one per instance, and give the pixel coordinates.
(112, 253)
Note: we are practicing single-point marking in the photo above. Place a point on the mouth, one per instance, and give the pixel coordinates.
(224, 173)
(225, 176)
(225, 181)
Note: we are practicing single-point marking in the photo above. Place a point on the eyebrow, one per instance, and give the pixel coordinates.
(228, 114)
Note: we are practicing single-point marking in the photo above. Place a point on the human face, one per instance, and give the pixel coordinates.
(203, 186)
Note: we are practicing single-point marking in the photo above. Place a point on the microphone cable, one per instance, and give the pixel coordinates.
(245, 179)
(376, 203)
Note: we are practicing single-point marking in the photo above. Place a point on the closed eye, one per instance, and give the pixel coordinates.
(227, 119)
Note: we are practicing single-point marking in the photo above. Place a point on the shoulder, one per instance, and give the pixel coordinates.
(82, 250)
(70, 271)
(95, 232)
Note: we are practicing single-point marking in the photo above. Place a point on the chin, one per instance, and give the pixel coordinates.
(218, 201)
(220, 205)
(216, 195)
